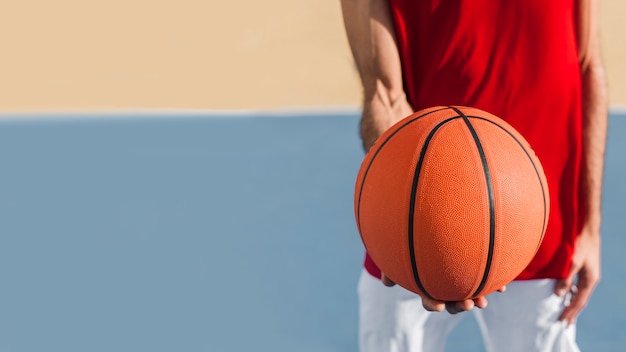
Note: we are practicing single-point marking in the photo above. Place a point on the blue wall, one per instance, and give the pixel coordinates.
(206, 233)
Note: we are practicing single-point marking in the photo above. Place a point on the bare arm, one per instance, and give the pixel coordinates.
(595, 113)
(586, 259)
(372, 40)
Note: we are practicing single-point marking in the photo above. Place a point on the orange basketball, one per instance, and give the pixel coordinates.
(451, 203)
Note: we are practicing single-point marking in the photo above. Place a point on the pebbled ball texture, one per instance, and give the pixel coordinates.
(451, 203)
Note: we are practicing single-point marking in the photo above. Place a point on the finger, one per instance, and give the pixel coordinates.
(460, 306)
(581, 293)
(570, 312)
(502, 289)
(563, 286)
(386, 281)
(432, 305)
(480, 302)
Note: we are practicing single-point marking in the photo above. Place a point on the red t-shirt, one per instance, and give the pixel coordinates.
(517, 59)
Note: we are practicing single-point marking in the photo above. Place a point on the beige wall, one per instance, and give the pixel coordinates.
(197, 54)
(613, 36)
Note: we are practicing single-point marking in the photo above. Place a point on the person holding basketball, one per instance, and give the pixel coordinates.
(537, 65)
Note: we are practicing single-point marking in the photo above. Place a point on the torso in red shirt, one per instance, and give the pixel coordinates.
(518, 60)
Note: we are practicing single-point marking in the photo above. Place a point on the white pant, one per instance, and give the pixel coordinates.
(524, 318)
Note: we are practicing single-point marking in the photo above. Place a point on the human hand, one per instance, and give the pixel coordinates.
(585, 267)
(453, 307)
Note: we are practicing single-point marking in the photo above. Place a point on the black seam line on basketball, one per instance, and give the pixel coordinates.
(492, 217)
(543, 191)
(358, 213)
(416, 175)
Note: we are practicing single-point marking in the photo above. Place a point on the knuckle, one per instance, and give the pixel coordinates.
(432, 309)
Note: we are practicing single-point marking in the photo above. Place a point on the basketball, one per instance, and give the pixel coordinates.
(451, 203)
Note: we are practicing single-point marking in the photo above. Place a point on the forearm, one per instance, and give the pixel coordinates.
(595, 110)
(371, 35)
(595, 121)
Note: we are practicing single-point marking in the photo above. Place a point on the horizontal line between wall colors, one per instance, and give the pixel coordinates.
(285, 112)
(617, 109)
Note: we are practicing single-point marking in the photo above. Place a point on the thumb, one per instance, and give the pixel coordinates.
(386, 280)
(563, 286)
